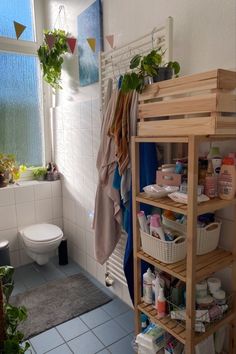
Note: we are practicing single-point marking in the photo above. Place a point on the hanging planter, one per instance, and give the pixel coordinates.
(51, 54)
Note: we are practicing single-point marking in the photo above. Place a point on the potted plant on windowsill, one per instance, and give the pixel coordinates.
(39, 173)
(9, 170)
(148, 66)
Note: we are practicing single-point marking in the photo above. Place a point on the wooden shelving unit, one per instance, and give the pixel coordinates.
(193, 268)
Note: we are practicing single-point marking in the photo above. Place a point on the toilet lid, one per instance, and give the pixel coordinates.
(42, 232)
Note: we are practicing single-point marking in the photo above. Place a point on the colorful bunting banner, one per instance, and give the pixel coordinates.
(50, 40)
(110, 40)
(19, 29)
(71, 44)
(92, 43)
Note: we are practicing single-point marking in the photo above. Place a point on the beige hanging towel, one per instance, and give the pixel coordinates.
(108, 214)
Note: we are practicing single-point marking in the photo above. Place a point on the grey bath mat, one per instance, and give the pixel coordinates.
(57, 302)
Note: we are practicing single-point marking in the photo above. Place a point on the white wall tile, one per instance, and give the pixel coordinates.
(85, 115)
(56, 189)
(15, 259)
(43, 209)
(7, 217)
(91, 265)
(25, 214)
(79, 239)
(6, 196)
(79, 257)
(24, 194)
(24, 258)
(69, 229)
(69, 209)
(11, 236)
(58, 222)
(80, 214)
(101, 270)
(56, 207)
(90, 242)
(43, 191)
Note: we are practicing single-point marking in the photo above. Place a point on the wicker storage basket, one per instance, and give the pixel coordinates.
(164, 251)
(207, 237)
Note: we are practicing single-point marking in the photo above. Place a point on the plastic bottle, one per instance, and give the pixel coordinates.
(147, 286)
(142, 221)
(155, 227)
(227, 179)
(161, 304)
(210, 187)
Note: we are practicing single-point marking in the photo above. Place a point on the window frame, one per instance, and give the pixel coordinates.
(12, 45)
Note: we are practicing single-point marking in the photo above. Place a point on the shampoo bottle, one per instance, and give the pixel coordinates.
(155, 227)
(227, 179)
(147, 286)
(161, 304)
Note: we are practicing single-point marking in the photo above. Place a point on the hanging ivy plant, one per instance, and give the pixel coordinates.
(52, 59)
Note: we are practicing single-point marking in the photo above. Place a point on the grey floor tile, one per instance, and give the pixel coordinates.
(62, 349)
(49, 271)
(70, 269)
(30, 351)
(122, 346)
(105, 351)
(126, 321)
(72, 329)
(95, 317)
(109, 332)
(33, 280)
(85, 344)
(19, 287)
(46, 341)
(116, 307)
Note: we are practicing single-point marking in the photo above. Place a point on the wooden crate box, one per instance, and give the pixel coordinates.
(199, 104)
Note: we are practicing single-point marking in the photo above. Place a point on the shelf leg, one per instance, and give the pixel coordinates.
(191, 243)
(232, 343)
(136, 236)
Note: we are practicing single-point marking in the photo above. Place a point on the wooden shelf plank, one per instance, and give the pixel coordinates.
(171, 326)
(163, 203)
(206, 264)
(168, 204)
(178, 330)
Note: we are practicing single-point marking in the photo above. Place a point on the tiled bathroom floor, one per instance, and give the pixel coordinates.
(107, 329)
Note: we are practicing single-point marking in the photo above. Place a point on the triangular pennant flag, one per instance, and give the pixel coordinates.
(19, 29)
(110, 40)
(71, 44)
(92, 43)
(50, 40)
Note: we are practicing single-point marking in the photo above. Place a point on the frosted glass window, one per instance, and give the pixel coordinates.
(20, 11)
(21, 130)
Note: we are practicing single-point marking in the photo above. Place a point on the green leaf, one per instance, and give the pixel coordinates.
(135, 61)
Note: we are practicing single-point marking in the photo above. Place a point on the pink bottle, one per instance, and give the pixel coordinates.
(155, 227)
(227, 179)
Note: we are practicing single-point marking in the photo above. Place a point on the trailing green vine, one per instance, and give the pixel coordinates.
(52, 59)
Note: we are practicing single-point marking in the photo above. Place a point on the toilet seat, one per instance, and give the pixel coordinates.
(42, 233)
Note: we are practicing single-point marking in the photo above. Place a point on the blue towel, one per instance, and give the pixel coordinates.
(149, 165)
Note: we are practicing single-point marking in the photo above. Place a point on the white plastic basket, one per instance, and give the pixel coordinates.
(207, 237)
(164, 251)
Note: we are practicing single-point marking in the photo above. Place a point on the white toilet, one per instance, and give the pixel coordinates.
(41, 240)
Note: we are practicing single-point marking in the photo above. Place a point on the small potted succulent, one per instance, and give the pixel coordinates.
(39, 173)
(146, 67)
